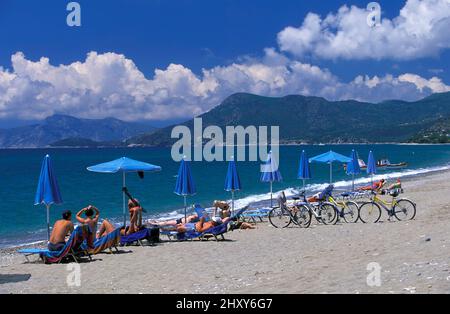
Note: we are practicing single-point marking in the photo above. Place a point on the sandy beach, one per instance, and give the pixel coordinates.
(413, 256)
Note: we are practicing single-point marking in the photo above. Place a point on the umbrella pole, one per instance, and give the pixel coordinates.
(271, 202)
(48, 221)
(331, 172)
(185, 209)
(353, 182)
(123, 200)
(232, 202)
(304, 190)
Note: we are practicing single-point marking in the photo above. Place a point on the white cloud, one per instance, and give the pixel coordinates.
(420, 30)
(111, 85)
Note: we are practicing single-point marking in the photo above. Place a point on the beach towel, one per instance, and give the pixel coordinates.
(106, 242)
(71, 248)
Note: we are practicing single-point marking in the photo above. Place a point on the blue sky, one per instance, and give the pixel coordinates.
(195, 34)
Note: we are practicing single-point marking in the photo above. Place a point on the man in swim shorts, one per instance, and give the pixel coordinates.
(61, 229)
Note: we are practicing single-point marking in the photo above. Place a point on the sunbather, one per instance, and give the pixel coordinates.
(173, 222)
(376, 186)
(221, 209)
(61, 229)
(321, 195)
(135, 211)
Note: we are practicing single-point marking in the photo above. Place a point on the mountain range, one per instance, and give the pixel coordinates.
(316, 120)
(62, 127)
(301, 119)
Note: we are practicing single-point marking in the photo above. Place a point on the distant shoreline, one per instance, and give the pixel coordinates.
(247, 145)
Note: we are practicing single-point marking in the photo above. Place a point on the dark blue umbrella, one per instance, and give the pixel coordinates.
(124, 165)
(185, 184)
(232, 181)
(270, 173)
(353, 167)
(371, 166)
(329, 158)
(47, 192)
(304, 171)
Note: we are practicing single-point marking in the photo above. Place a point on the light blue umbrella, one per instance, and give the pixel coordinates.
(185, 184)
(353, 167)
(47, 192)
(232, 181)
(329, 158)
(124, 165)
(371, 166)
(304, 171)
(271, 174)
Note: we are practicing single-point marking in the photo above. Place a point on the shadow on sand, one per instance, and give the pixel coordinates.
(13, 278)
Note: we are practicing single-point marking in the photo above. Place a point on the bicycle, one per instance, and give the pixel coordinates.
(301, 213)
(347, 210)
(402, 209)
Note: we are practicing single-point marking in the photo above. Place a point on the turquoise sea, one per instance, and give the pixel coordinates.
(22, 222)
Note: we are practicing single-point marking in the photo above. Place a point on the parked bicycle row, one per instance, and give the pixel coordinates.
(365, 205)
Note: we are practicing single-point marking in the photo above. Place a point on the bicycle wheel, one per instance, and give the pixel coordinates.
(279, 218)
(328, 213)
(404, 210)
(369, 212)
(350, 212)
(303, 216)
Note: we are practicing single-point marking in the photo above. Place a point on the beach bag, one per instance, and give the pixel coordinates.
(153, 235)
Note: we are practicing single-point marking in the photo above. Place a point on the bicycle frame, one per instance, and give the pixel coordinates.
(384, 204)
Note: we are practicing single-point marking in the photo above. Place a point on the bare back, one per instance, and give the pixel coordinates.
(60, 230)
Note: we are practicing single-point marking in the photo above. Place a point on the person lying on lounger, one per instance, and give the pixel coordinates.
(376, 186)
(321, 195)
(61, 229)
(173, 222)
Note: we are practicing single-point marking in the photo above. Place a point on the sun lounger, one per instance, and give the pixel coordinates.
(255, 214)
(106, 242)
(71, 249)
(216, 232)
(144, 234)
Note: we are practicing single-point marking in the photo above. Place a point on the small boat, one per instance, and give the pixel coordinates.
(382, 164)
(386, 164)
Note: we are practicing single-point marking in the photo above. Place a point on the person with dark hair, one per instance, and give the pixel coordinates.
(135, 211)
(92, 214)
(61, 229)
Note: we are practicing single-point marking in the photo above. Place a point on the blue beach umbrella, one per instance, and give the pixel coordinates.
(232, 181)
(185, 184)
(270, 173)
(47, 192)
(353, 167)
(329, 158)
(124, 165)
(304, 171)
(371, 166)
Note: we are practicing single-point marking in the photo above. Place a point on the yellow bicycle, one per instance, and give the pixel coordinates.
(402, 209)
(347, 210)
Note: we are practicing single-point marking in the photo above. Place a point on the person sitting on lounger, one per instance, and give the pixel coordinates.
(61, 229)
(376, 186)
(135, 211)
(221, 209)
(92, 215)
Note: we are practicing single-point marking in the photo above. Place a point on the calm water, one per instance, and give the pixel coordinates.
(22, 222)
